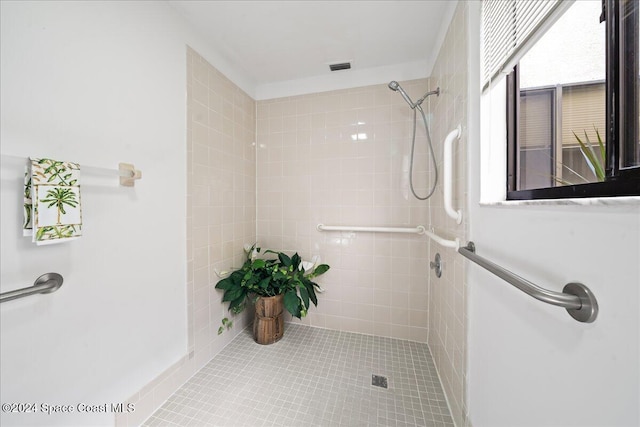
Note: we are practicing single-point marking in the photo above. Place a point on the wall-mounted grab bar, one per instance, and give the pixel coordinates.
(420, 229)
(45, 284)
(580, 303)
(455, 244)
(412, 230)
(447, 181)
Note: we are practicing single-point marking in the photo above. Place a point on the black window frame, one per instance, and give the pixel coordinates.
(620, 89)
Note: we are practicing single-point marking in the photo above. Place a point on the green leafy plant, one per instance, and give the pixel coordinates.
(279, 274)
(593, 160)
(593, 156)
(226, 324)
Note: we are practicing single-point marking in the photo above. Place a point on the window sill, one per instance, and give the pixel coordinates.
(586, 201)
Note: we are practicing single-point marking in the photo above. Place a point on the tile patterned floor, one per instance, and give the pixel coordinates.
(311, 377)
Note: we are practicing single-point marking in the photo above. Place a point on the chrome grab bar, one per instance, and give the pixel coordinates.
(576, 298)
(45, 284)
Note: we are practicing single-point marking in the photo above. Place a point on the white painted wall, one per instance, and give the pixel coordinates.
(97, 83)
(530, 364)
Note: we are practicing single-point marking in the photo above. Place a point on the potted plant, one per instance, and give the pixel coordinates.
(275, 283)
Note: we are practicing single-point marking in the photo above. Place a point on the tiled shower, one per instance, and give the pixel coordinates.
(270, 171)
(337, 158)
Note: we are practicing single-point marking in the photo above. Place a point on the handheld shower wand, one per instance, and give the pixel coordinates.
(395, 86)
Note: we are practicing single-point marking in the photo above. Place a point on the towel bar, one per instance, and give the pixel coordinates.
(126, 171)
(45, 284)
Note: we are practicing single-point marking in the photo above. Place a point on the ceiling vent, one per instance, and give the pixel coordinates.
(341, 66)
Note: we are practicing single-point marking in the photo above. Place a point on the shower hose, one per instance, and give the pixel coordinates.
(433, 157)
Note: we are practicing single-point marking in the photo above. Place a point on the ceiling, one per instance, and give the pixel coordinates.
(283, 48)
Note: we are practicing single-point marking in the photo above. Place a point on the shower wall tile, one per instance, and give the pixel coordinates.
(221, 210)
(447, 294)
(221, 219)
(341, 158)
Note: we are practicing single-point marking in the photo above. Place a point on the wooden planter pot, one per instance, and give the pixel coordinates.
(268, 323)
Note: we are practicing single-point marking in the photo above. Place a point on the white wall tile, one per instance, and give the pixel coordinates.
(447, 295)
(222, 170)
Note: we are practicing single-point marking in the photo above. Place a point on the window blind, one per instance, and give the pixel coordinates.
(583, 110)
(536, 119)
(510, 27)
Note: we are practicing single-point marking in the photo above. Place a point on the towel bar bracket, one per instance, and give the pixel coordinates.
(133, 174)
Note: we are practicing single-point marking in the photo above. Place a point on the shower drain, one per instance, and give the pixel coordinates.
(379, 381)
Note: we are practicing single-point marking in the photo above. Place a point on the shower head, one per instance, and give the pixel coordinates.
(395, 86)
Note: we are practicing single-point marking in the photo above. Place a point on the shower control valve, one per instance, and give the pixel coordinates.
(436, 265)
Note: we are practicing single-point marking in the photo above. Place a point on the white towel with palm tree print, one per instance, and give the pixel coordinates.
(52, 209)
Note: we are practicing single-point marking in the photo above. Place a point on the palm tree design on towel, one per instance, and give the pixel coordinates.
(59, 197)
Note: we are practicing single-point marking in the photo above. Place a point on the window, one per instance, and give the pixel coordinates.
(572, 98)
(553, 122)
(536, 130)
